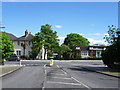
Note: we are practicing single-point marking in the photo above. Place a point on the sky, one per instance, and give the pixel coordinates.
(89, 19)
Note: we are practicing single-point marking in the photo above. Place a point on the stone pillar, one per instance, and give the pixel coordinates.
(46, 54)
(43, 52)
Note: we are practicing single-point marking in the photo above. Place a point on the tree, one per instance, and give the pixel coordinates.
(112, 35)
(64, 52)
(111, 55)
(72, 40)
(6, 46)
(47, 38)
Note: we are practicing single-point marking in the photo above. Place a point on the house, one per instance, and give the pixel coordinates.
(89, 51)
(23, 44)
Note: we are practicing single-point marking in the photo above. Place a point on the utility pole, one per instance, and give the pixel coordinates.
(1, 27)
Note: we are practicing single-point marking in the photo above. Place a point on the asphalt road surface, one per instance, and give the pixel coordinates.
(36, 75)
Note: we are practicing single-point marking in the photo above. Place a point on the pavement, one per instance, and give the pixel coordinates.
(9, 68)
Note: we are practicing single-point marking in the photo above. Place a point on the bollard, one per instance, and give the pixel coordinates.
(20, 63)
(51, 62)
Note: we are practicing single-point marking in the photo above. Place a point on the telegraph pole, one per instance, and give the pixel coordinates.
(1, 27)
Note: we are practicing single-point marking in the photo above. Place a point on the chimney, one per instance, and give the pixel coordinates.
(26, 32)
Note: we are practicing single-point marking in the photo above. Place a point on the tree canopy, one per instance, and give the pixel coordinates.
(111, 55)
(6, 45)
(74, 39)
(112, 35)
(47, 38)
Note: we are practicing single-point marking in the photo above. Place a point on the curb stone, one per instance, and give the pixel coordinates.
(100, 72)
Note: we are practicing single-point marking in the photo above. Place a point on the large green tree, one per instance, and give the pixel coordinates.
(64, 52)
(72, 40)
(111, 55)
(6, 46)
(47, 38)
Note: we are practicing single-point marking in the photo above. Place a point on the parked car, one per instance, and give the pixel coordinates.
(13, 58)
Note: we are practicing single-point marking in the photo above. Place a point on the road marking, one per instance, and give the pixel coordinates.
(63, 71)
(57, 74)
(45, 72)
(63, 83)
(43, 88)
(61, 78)
(45, 66)
(58, 66)
(81, 83)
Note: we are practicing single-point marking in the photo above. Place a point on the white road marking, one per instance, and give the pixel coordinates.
(58, 66)
(45, 72)
(63, 83)
(45, 66)
(63, 71)
(43, 88)
(60, 78)
(81, 83)
(57, 74)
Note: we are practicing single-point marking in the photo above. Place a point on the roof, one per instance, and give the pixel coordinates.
(12, 37)
(84, 47)
(26, 38)
(98, 46)
(87, 47)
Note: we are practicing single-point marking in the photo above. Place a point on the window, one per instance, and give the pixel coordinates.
(83, 52)
(30, 43)
(29, 52)
(18, 42)
(18, 53)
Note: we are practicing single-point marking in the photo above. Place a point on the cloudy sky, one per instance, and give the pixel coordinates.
(89, 19)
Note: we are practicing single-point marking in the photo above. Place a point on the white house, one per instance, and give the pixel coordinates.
(23, 44)
(89, 51)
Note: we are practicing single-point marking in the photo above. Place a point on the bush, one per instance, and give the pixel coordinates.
(111, 56)
(77, 57)
(24, 57)
(1, 62)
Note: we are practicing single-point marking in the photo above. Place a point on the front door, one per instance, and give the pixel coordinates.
(98, 54)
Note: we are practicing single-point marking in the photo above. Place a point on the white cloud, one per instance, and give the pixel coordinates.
(82, 34)
(92, 25)
(61, 37)
(58, 26)
(98, 34)
(93, 41)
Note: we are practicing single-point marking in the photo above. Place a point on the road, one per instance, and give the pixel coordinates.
(36, 75)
